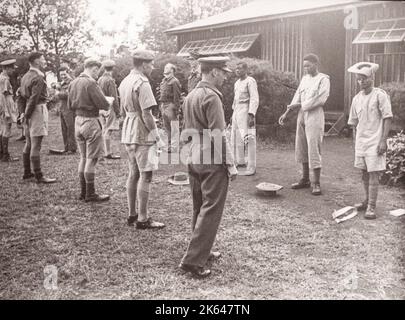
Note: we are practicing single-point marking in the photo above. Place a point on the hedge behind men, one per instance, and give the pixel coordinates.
(34, 96)
(310, 98)
(110, 122)
(141, 139)
(67, 116)
(371, 116)
(170, 94)
(204, 119)
(86, 99)
(8, 109)
(245, 105)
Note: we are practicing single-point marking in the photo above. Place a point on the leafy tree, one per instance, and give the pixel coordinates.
(54, 26)
(163, 16)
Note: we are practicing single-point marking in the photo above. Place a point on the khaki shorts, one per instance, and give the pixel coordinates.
(38, 123)
(88, 133)
(371, 163)
(146, 157)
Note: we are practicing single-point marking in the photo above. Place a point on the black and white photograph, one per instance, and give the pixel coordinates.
(217, 152)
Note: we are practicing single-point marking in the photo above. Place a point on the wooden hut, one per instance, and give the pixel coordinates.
(340, 32)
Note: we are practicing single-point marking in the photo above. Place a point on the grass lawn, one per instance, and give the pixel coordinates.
(287, 247)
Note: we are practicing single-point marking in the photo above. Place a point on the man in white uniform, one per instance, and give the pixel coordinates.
(309, 98)
(245, 105)
(370, 115)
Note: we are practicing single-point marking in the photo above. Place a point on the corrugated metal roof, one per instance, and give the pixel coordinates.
(265, 9)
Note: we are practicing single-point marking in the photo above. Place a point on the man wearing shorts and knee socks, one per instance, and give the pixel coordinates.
(34, 96)
(86, 98)
(141, 139)
(371, 116)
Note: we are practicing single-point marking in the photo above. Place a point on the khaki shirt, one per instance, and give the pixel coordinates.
(33, 91)
(85, 97)
(204, 121)
(136, 95)
(8, 108)
(367, 113)
(109, 88)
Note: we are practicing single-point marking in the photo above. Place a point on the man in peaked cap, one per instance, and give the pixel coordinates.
(8, 109)
(33, 99)
(110, 122)
(86, 99)
(371, 116)
(141, 139)
(204, 122)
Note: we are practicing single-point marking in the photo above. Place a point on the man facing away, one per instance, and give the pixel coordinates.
(211, 163)
(141, 138)
(371, 116)
(170, 95)
(245, 105)
(309, 98)
(86, 99)
(110, 122)
(67, 116)
(33, 98)
(8, 109)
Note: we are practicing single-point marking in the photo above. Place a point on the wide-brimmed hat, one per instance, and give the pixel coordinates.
(269, 189)
(179, 179)
(365, 68)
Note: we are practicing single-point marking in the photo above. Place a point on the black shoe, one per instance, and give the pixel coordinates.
(198, 272)
(112, 157)
(22, 138)
(44, 180)
(149, 224)
(57, 152)
(302, 184)
(28, 176)
(97, 198)
(131, 220)
(8, 158)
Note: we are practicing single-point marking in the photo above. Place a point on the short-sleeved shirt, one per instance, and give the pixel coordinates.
(136, 95)
(109, 88)
(367, 113)
(8, 108)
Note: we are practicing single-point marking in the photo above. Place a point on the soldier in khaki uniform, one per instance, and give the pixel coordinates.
(110, 120)
(34, 96)
(141, 138)
(8, 109)
(86, 99)
(211, 163)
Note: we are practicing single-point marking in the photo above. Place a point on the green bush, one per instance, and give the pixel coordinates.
(396, 90)
(395, 175)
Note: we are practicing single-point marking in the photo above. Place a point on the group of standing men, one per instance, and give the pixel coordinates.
(203, 113)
